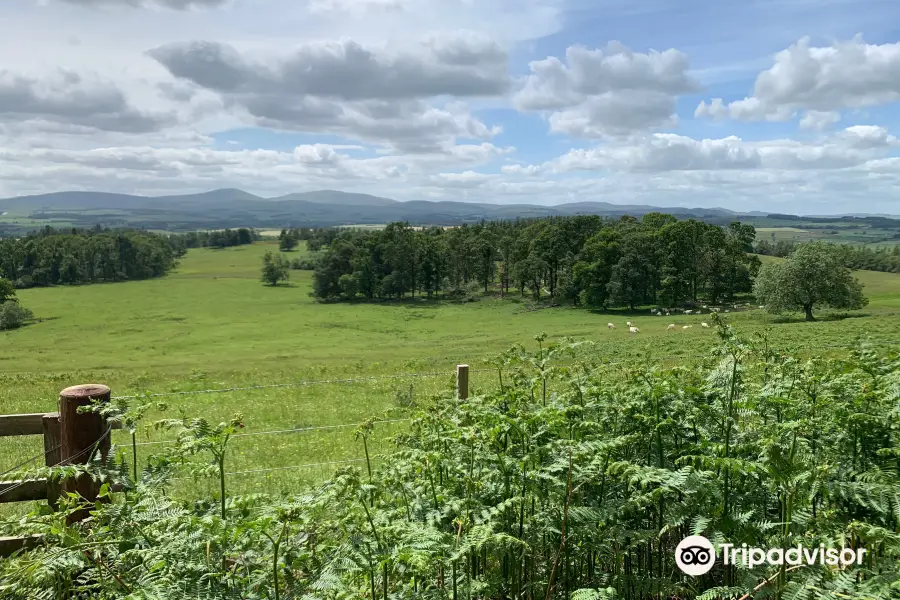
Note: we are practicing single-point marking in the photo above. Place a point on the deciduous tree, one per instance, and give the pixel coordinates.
(811, 277)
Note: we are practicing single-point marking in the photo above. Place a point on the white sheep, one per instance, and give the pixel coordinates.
(761, 307)
(704, 324)
(628, 323)
(671, 327)
(610, 326)
(726, 310)
(687, 326)
(687, 312)
(633, 330)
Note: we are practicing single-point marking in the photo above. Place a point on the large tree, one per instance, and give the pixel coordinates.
(812, 276)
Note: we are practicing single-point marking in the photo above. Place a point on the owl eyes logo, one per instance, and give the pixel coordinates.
(695, 555)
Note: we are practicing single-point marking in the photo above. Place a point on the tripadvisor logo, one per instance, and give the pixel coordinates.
(695, 555)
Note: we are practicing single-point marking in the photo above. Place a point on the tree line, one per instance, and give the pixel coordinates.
(583, 260)
(76, 256)
(218, 238)
(881, 258)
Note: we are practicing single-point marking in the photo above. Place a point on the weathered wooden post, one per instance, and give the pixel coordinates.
(82, 436)
(52, 453)
(462, 381)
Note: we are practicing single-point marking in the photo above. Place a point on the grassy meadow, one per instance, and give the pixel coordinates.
(212, 324)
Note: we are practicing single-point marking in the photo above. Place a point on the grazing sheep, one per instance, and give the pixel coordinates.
(671, 327)
(687, 326)
(726, 310)
(687, 312)
(628, 323)
(704, 324)
(761, 307)
(610, 326)
(633, 330)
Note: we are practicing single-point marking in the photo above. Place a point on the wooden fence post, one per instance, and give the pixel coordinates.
(462, 381)
(82, 436)
(52, 454)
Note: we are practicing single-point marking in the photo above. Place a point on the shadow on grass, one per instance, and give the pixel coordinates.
(419, 302)
(828, 317)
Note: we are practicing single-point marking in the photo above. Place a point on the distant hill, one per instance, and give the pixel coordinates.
(335, 197)
(237, 208)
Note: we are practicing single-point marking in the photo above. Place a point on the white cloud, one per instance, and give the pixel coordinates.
(606, 92)
(849, 74)
(358, 8)
(819, 120)
(663, 152)
(171, 4)
(378, 94)
(164, 169)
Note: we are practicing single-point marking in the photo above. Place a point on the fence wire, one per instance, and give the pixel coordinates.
(277, 431)
(885, 343)
(281, 385)
(90, 449)
(292, 467)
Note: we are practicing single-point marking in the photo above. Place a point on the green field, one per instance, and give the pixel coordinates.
(839, 233)
(211, 324)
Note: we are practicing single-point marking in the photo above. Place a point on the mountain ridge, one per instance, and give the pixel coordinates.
(231, 207)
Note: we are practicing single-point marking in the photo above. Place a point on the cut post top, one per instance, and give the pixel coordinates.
(86, 390)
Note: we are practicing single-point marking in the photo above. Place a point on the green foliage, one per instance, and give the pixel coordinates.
(77, 256)
(307, 263)
(7, 290)
(275, 268)
(881, 258)
(288, 240)
(196, 436)
(564, 483)
(813, 276)
(13, 315)
(583, 259)
(216, 238)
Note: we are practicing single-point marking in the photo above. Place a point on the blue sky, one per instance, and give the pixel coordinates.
(762, 104)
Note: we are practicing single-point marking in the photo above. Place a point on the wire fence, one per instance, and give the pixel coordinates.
(287, 385)
(280, 431)
(224, 390)
(335, 427)
(69, 459)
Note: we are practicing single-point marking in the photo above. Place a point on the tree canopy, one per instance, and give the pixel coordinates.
(275, 268)
(812, 276)
(77, 256)
(585, 260)
(7, 290)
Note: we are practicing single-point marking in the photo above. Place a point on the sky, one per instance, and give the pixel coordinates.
(772, 105)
